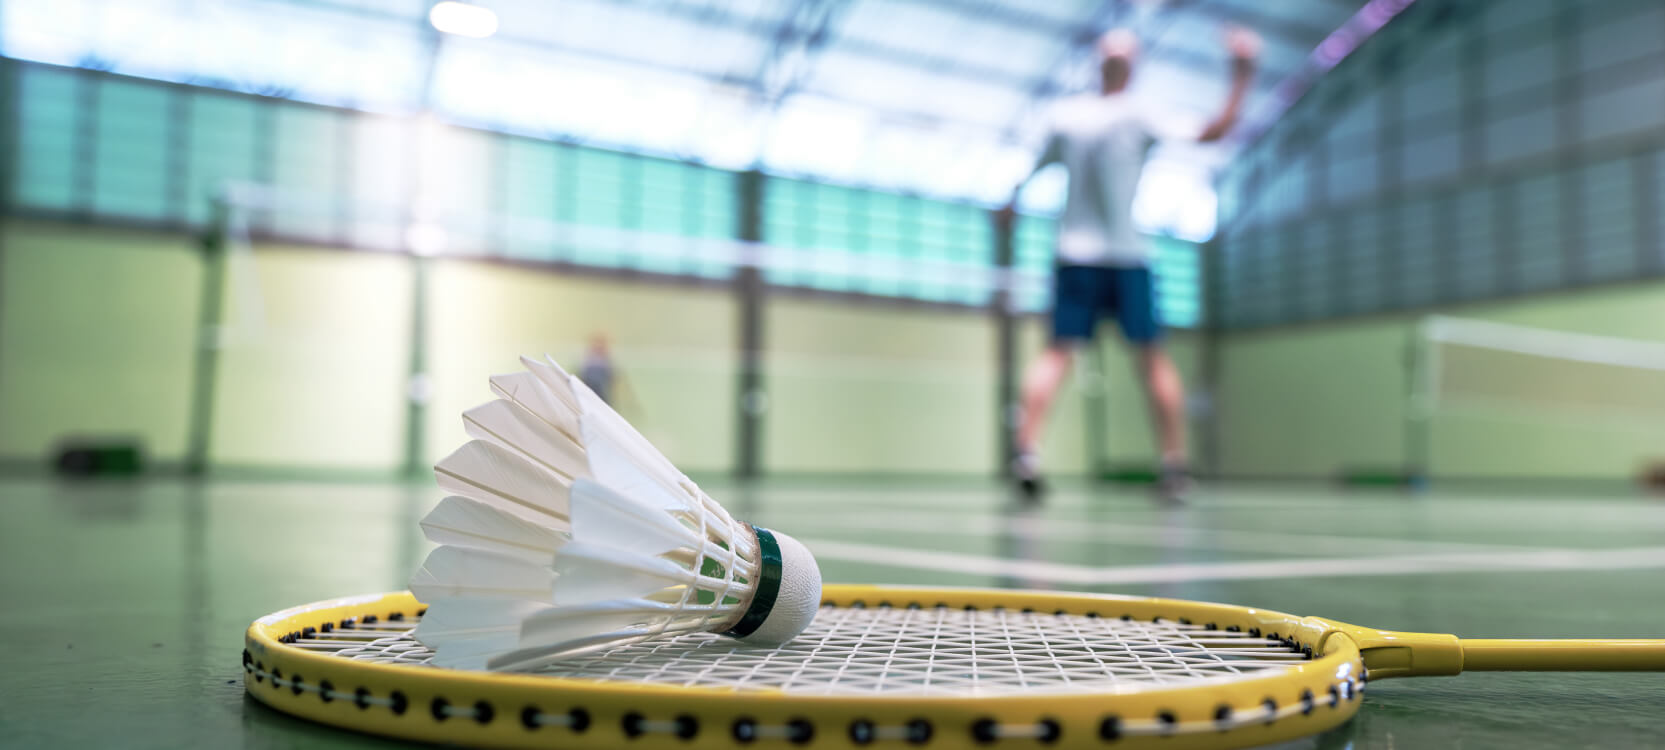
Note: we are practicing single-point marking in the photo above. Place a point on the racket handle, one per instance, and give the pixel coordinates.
(1563, 655)
(1389, 653)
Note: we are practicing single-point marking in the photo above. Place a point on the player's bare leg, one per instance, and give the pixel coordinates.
(1040, 387)
(1165, 390)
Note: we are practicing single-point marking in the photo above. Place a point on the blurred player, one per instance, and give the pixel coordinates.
(1103, 269)
(598, 371)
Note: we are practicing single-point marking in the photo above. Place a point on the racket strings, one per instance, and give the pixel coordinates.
(908, 651)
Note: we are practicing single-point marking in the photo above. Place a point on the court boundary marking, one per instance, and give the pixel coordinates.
(1545, 560)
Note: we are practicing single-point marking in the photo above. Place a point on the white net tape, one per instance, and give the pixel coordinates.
(1522, 374)
(919, 652)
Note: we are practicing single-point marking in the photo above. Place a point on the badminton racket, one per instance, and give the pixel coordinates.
(892, 667)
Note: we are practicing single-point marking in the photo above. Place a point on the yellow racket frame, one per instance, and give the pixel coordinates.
(492, 709)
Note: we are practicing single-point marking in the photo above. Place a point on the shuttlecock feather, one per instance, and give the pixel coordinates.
(567, 531)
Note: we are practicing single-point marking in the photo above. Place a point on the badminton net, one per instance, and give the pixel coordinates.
(1526, 387)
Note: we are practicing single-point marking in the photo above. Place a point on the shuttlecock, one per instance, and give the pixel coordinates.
(568, 532)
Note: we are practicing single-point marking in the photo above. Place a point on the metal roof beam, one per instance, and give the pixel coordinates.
(1001, 14)
(798, 40)
(878, 51)
(1300, 34)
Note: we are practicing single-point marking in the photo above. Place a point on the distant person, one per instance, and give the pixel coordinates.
(1103, 140)
(597, 371)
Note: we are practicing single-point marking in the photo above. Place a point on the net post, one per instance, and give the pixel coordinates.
(749, 289)
(1005, 332)
(417, 388)
(1420, 377)
(210, 320)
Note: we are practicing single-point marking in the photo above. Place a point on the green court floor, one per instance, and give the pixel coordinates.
(125, 603)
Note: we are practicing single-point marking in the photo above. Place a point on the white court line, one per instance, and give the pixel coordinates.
(1490, 511)
(1036, 570)
(1151, 535)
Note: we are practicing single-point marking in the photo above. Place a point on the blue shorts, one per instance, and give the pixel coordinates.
(1083, 294)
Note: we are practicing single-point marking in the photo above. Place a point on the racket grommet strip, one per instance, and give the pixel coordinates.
(576, 720)
(914, 732)
(985, 731)
(744, 730)
(1110, 728)
(799, 731)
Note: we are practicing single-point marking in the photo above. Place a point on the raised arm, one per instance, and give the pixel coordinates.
(1244, 47)
(1051, 152)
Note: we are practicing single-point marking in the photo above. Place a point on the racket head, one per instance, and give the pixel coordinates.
(290, 665)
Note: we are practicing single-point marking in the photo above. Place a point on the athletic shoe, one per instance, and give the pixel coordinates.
(1026, 470)
(1175, 484)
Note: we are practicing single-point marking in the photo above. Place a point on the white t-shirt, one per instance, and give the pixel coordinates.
(1103, 141)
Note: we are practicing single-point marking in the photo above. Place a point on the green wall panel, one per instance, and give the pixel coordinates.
(97, 329)
(865, 389)
(314, 358)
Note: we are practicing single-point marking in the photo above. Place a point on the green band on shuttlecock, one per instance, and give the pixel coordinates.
(768, 585)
